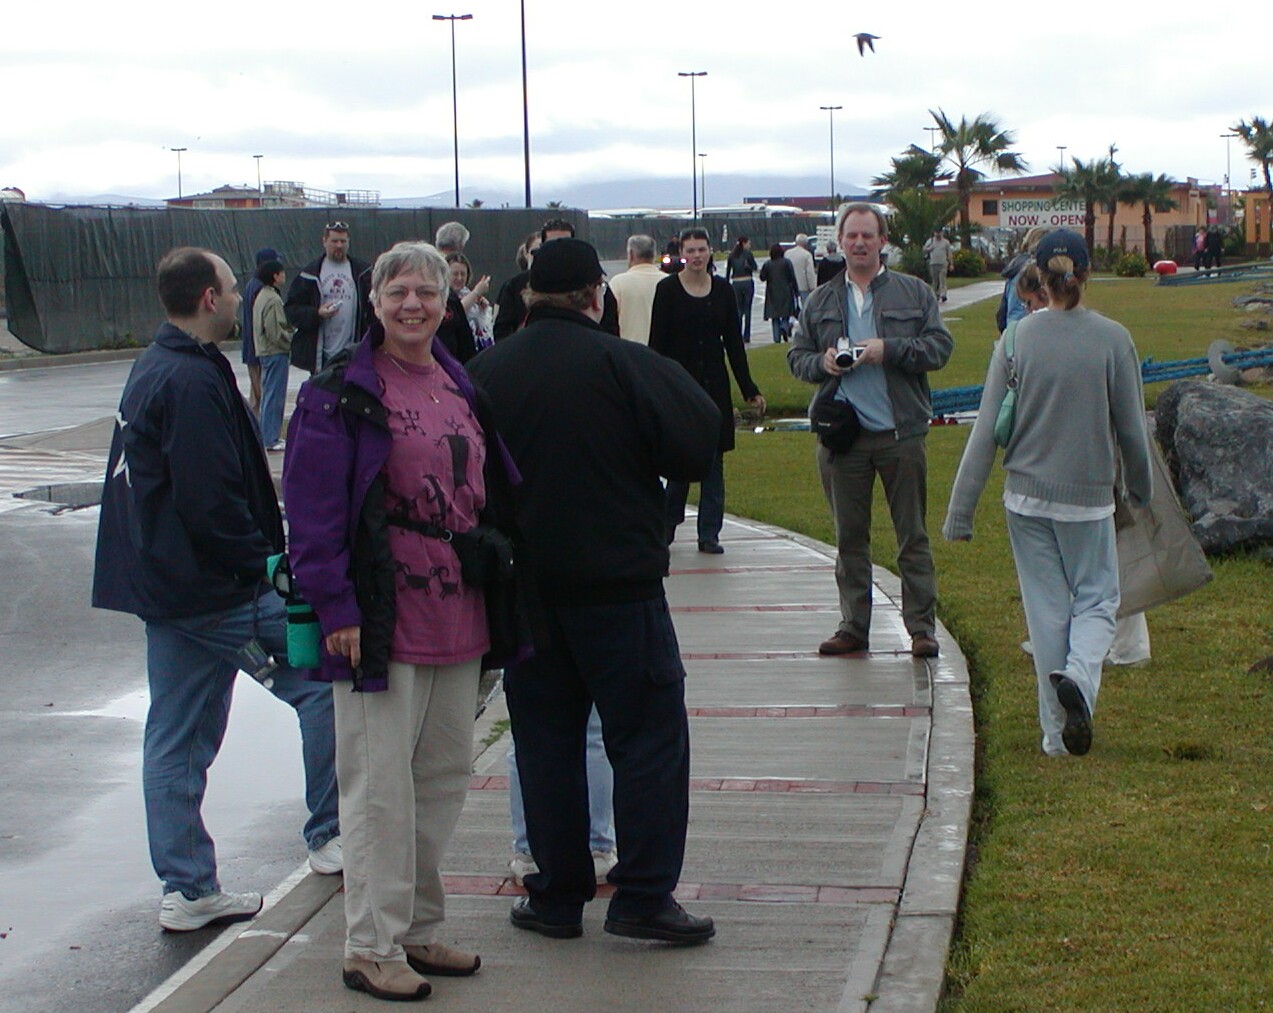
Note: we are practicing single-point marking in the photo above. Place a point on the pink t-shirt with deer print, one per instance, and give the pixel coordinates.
(434, 474)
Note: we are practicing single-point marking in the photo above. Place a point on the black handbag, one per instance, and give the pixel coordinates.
(833, 421)
(485, 553)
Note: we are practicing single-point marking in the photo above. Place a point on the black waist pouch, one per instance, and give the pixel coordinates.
(834, 422)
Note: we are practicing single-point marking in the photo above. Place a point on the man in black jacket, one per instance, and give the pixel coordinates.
(512, 306)
(592, 421)
(328, 302)
(189, 516)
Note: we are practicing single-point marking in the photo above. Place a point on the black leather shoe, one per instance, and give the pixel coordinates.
(524, 916)
(671, 925)
(1077, 732)
(711, 548)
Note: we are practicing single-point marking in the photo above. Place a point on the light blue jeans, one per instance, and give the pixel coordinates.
(1068, 572)
(191, 665)
(273, 396)
(600, 793)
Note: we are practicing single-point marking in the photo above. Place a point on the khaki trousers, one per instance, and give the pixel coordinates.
(403, 759)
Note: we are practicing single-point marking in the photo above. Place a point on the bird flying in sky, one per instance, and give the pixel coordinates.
(865, 41)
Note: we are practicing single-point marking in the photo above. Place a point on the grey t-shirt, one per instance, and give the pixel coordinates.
(938, 251)
(336, 285)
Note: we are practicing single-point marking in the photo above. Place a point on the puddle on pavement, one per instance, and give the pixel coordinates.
(68, 495)
(102, 863)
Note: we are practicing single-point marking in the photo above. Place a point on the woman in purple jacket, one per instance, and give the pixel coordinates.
(385, 458)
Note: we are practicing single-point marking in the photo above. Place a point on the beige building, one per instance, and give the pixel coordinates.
(1022, 202)
(1258, 215)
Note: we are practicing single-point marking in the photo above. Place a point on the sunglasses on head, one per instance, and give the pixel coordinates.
(336, 227)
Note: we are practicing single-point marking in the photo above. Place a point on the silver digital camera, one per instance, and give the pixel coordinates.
(847, 353)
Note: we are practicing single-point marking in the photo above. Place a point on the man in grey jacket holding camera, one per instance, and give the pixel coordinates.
(889, 325)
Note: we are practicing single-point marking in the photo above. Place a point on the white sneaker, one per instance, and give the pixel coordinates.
(603, 862)
(177, 914)
(522, 865)
(327, 860)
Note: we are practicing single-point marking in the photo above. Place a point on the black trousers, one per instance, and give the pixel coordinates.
(625, 658)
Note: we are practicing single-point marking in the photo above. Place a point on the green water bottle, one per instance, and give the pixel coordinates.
(303, 632)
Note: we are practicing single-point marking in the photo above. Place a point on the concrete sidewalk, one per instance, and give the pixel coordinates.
(829, 812)
(829, 817)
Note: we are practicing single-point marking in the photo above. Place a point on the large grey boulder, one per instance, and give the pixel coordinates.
(1218, 441)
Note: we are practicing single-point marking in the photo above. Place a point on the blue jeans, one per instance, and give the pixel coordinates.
(273, 396)
(744, 294)
(600, 793)
(191, 665)
(711, 502)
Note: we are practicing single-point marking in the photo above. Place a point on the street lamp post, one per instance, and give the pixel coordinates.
(1228, 164)
(455, 106)
(525, 108)
(1061, 148)
(932, 137)
(259, 188)
(831, 111)
(1228, 185)
(178, 151)
(702, 174)
(691, 74)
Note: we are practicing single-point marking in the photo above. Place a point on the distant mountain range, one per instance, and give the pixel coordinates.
(651, 192)
(98, 199)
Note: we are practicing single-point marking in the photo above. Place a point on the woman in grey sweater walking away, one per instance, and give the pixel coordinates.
(1079, 409)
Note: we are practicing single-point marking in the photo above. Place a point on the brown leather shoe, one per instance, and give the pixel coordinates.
(924, 645)
(391, 980)
(842, 642)
(442, 960)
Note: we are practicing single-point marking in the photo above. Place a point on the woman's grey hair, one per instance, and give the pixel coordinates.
(407, 258)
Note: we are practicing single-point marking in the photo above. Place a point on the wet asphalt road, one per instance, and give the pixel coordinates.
(78, 899)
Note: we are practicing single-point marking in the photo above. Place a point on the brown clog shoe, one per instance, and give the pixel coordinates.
(442, 960)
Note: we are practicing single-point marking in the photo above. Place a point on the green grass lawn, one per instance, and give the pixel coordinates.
(1138, 878)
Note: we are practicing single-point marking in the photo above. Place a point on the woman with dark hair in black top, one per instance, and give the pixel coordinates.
(740, 268)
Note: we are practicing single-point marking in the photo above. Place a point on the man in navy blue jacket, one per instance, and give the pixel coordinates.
(189, 516)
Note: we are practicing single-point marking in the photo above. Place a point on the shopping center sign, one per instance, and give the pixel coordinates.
(1023, 213)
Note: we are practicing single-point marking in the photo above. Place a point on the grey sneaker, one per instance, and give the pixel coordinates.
(327, 860)
(178, 914)
(522, 865)
(603, 862)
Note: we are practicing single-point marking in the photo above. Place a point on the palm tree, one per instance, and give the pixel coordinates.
(1258, 137)
(476, 202)
(1088, 182)
(1152, 194)
(1112, 180)
(913, 168)
(970, 145)
(916, 214)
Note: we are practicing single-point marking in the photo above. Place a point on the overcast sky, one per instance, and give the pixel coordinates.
(358, 96)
